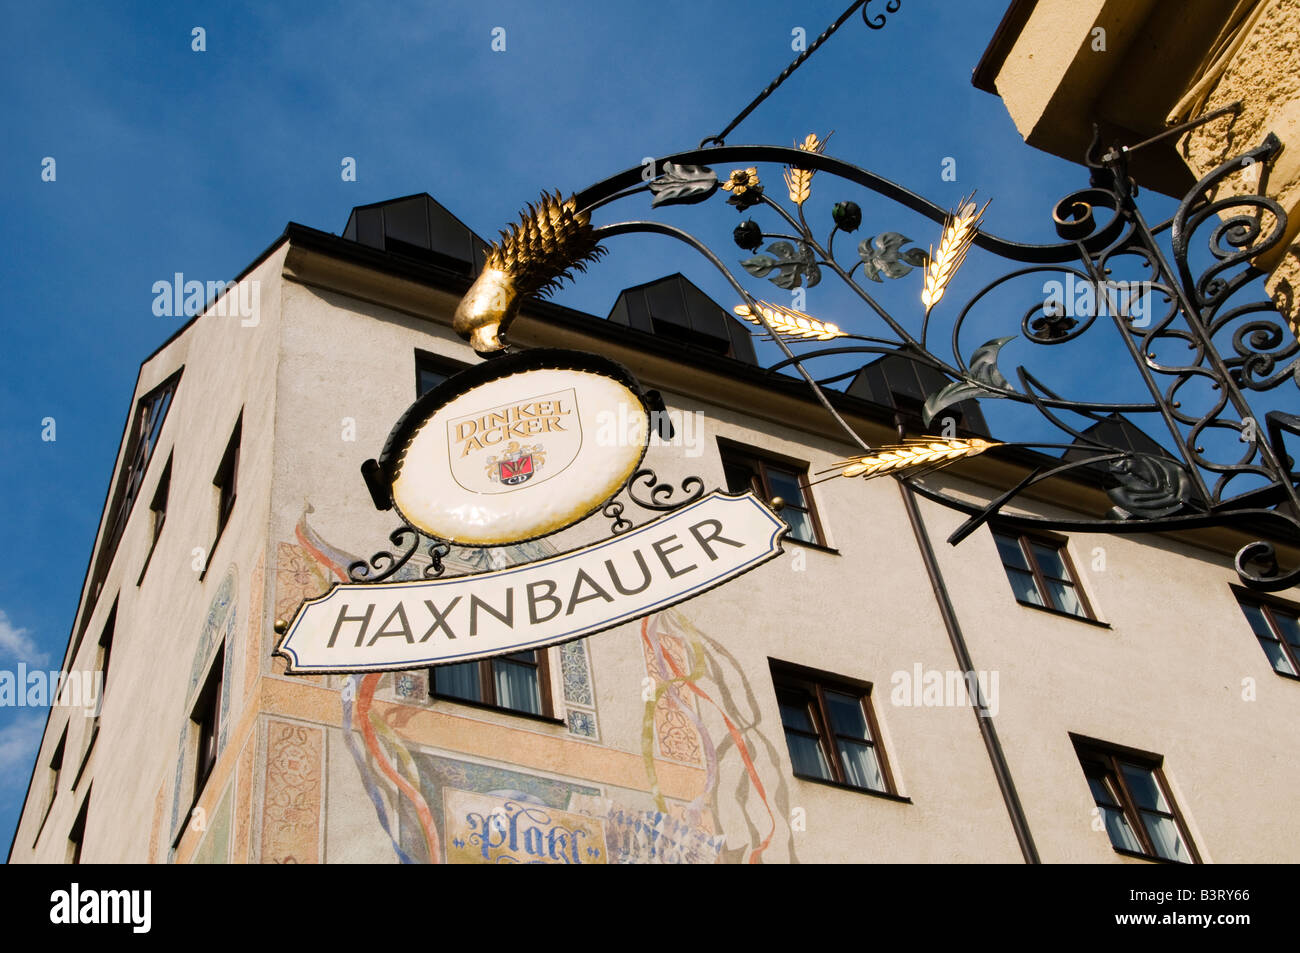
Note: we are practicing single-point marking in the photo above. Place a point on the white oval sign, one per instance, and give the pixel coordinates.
(520, 456)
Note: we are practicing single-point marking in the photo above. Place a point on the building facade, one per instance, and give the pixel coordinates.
(872, 695)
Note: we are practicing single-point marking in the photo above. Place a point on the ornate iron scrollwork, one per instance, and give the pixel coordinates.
(661, 494)
(1193, 353)
(385, 565)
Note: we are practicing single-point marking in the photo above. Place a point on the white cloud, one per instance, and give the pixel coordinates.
(19, 740)
(16, 642)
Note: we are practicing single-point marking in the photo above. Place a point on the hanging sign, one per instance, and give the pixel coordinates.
(514, 449)
(403, 625)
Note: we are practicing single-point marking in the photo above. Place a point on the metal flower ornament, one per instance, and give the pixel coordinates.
(1192, 355)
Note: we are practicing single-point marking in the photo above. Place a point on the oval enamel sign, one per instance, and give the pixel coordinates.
(518, 455)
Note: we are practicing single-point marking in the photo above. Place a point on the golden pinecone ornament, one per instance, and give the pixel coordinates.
(533, 258)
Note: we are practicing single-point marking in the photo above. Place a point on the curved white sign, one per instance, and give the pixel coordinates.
(402, 625)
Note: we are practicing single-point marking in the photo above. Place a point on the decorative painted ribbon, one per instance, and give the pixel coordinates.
(670, 687)
(365, 697)
(367, 776)
(745, 756)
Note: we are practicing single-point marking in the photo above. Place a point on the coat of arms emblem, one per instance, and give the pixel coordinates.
(517, 465)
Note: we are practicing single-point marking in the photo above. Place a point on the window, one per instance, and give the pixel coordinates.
(1131, 793)
(106, 650)
(830, 729)
(1041, 574)
(768, 477)
(85, 757)
(226, 480)
(101, 666)
(431, 370)
(518, 682)
(78, 833)
(1277, 626)
(56, 771)
(207, 719)
(143, 431)
(158, 513)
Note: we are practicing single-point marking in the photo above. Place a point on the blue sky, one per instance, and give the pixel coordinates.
(170, 160)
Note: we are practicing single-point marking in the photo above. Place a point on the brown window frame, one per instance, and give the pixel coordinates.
(1269, 605)
(1111, 757)
(105, 653)
(760, 462)
(158, 511)
(487, 687)
(206, 715)
(1061, 545)
(77, 833)
(143, 435)
(813, 685)
(56, 767)
(227, 483)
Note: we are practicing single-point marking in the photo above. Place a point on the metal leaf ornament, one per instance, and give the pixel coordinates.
(985, 378)
(683, 185)
(793, 266)
(1150, 487)
(883, 254)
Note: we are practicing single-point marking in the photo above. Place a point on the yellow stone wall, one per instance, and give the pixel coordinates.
(1256, 60)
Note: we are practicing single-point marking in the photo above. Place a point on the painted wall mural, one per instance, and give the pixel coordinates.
(714, 707)
(293, 793)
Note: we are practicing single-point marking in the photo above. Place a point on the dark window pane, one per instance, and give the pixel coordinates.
(1255, 615)
(806, 756)
(861, 769)
(1142, 785)
(1065, 597)
(458, 681)
(739, 477)
(1012, 555)
(1049, 561)
(801, 527)
(1165, 838)
(786, 486)
(795, 713)
(427, 378)
(516, 687)
(1277, 657)
(1023, 585)
(1121, 834)
(846, 715)
(1289, 627)
(1101, 792)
